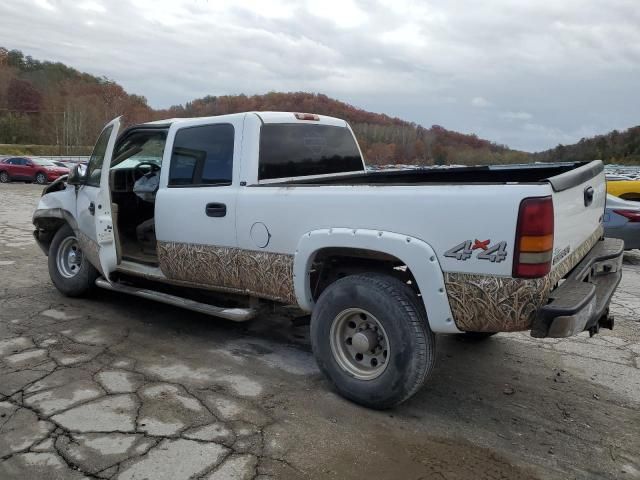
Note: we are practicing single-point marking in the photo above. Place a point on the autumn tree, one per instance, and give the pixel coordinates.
(23, 97)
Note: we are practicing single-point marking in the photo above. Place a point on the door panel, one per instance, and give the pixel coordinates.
(29, 170)
(195, 211)
(94, 203)
(20, 169)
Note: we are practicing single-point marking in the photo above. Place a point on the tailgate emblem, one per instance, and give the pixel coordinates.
(560, 254)
(463, 251)
(588, 196)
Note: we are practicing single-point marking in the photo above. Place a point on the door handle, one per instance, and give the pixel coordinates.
(216, 210)
(588, 196)
(92, 208)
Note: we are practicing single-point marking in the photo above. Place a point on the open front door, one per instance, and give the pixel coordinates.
(94, 204)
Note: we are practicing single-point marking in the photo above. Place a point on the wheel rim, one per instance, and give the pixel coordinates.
(4, 177)
(69, 257)
(40, 178)
(359, 344)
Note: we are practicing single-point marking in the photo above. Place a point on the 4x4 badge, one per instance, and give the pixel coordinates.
(463, 251)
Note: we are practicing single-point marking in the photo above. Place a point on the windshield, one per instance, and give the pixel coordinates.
(140, 147)
(43, 163)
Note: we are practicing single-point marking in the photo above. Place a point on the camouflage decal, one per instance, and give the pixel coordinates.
(90, 249)
(262, 274)
(485, 303)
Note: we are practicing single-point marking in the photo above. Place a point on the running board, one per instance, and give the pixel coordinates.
(234, 314)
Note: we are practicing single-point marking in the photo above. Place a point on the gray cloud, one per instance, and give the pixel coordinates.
(543, 73)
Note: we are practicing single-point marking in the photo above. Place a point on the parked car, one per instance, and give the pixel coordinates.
(626, 189)
(30, 170)
(622, 220)
(268, 207)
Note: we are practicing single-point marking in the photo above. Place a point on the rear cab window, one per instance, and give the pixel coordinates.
(290, 150)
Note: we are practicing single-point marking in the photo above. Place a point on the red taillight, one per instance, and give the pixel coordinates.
(534, 238)
(307, 116)
(631, 215)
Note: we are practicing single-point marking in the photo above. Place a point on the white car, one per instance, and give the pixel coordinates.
(265, 207)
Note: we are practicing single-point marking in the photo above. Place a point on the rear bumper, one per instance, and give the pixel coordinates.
(581, 302)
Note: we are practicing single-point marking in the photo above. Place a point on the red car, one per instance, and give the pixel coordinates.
(30, 170)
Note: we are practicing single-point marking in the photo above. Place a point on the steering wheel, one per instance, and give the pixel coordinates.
(138, 172)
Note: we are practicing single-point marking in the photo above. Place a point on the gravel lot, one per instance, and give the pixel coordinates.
(118, 387)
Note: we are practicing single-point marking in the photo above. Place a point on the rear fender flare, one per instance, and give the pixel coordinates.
(418, 255)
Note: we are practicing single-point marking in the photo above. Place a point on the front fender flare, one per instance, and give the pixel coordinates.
(418, 255)
(41, 215)
(47, 221)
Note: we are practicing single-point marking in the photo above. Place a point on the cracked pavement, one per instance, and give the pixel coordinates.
(115, 387)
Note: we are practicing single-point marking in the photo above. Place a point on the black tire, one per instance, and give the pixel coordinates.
(411, 342)
(4, 177)
(82, 281)
(478, 336)
(41, 178)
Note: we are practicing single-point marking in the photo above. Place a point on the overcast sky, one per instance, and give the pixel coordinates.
(529, 74)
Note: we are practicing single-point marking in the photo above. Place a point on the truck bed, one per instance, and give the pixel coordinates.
(490, 174)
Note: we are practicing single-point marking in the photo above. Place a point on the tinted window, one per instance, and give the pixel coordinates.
(296, 150)
(97, 158)
(202, 156)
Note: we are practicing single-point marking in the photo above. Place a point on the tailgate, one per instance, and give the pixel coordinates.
(578, 203)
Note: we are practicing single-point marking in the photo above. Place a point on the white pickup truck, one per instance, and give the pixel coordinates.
(225, 214)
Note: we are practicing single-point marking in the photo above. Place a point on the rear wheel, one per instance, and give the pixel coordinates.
(69, 270)
(41, 178)
(4, 177)
(371, 338)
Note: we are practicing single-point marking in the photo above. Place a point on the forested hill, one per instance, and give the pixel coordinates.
(613, 147)
(49, 103)
(383, 139)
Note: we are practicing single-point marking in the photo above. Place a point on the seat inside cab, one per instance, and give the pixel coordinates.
(133, 179)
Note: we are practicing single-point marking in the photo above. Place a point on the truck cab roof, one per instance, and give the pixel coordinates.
(264, 116)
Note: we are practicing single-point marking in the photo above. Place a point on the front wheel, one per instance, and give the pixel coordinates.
(4, 177)
(69, 270)
(41, 178)
(371, 338)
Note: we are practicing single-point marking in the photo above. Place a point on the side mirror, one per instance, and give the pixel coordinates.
(77, 175)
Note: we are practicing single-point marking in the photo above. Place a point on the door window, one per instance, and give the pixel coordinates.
(97, 158)
(144, 146)
(202, 156)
